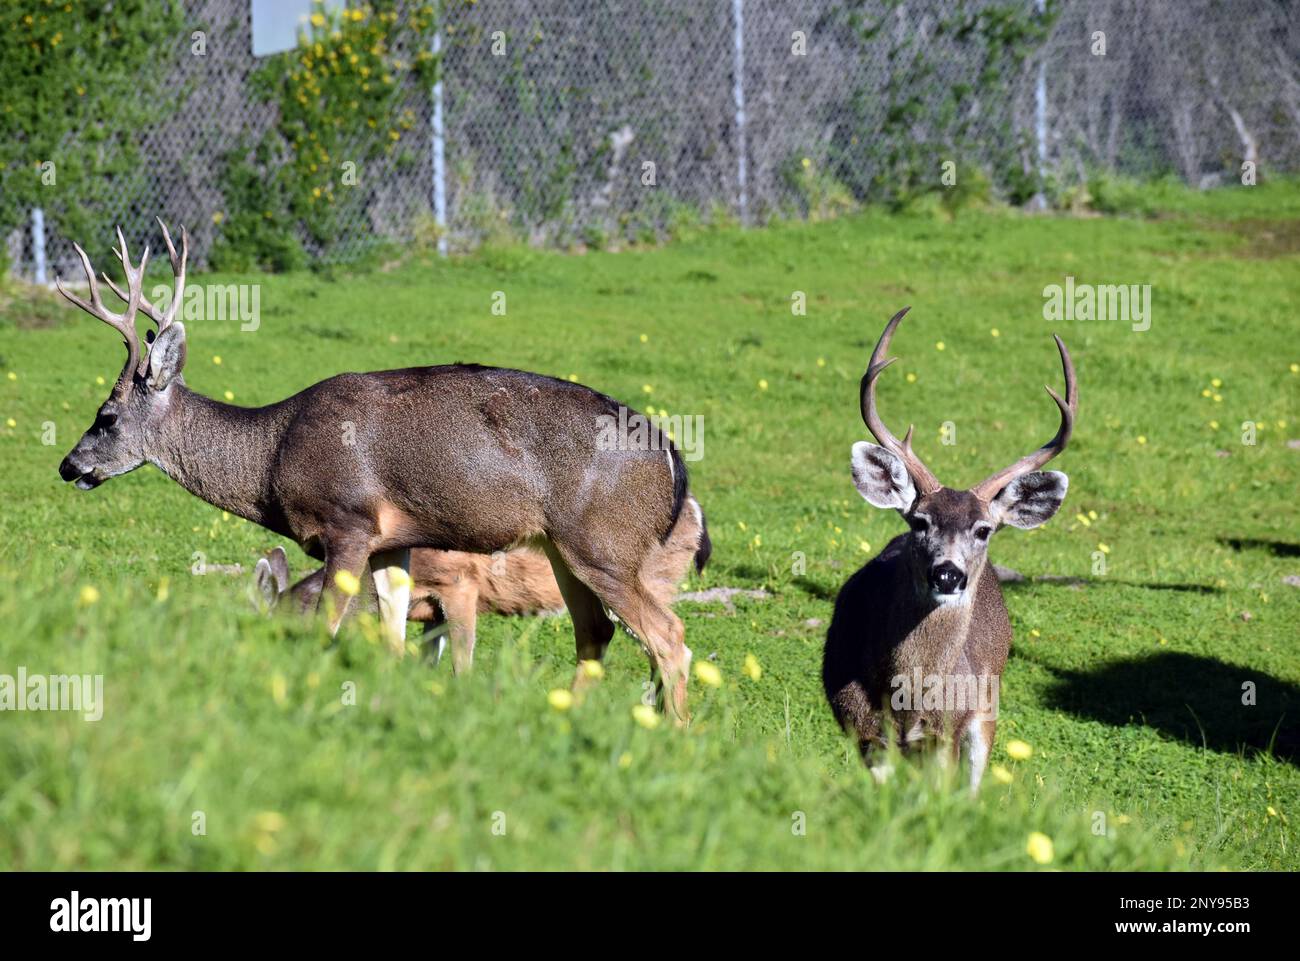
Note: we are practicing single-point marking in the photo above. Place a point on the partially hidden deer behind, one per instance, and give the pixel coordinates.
(361, 467)
(920, 635)
(449, 589)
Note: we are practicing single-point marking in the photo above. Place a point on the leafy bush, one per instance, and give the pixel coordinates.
(903, 130)
(79, 80)
(821, 194)
(973, 190)
(258, 233)
(342, 84)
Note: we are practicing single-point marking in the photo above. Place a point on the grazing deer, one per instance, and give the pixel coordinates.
(449, 589)
(360, 468)
(920, 635)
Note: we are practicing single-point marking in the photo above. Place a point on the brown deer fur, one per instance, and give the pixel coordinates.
(360, 468)
(920, 635)
(454, 587)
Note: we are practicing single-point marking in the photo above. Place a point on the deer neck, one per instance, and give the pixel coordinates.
(220, 453)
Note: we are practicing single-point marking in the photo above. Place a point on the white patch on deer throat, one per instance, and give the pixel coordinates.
(960, 599)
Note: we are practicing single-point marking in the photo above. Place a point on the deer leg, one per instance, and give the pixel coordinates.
(341, 557)
(391, 571)
(661, 630)
(664, 635)
(979, 741)
(460, 607)
(436, 632)
(592, 630)
(628, 587)
(657, 628)
(427, 610)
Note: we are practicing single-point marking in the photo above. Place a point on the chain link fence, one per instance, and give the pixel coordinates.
(599, 122)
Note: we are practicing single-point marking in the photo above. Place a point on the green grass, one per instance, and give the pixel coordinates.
(1127, 684)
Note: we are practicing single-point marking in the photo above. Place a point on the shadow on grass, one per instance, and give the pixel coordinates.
(1276, 548)
(1186, 696)
(828, 592)
(1082, 582)
(823, 592)
(750, 572)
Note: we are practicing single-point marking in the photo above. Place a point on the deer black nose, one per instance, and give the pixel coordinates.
(947, 578)
(67, 471)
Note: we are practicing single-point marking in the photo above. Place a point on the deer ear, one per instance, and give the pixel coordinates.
(279, 569)
(1031, 499)
(167, 356)
(264, 582)
(881, 477)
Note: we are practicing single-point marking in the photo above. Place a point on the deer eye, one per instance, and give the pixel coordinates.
(920, 525)
(982, 533)
(105, 420)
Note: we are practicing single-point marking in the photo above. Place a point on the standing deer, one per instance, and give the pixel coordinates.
(920, 635)
(360, 468)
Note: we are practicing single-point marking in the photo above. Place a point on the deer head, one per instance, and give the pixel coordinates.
(950, 529)
(119, 439)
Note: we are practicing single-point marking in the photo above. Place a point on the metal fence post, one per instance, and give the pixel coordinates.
(38, 244)
(1040, 117)
(439, 152)
(738, 94)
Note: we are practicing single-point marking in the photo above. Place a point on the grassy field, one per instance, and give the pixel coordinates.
(1127, 684)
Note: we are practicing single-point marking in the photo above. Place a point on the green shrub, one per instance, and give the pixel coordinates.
(1112, 193)
(257, 233)
(821, 195)
(336, 97)
(79, 78)
(972, 191)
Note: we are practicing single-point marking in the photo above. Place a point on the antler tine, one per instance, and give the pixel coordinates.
(96, 306)
(163, 319)
(146, 305)
(135, 287)
(178, 271)
(921, 475)
(1069, 407)
(124, 324)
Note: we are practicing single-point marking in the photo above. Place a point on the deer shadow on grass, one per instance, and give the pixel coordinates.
(1276, 548)
(816, 589)
(1189, 697)
(1078, 583)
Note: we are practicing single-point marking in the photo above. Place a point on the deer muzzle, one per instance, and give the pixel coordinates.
(85, 479)
(947, 578)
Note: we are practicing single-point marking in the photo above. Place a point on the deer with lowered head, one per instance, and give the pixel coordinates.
(360, 468)
(920, 635)
(449, 589)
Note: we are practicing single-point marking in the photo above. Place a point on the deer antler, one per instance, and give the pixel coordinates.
(124, 324)
(925, 481)
(163, 319)
(989, 489)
